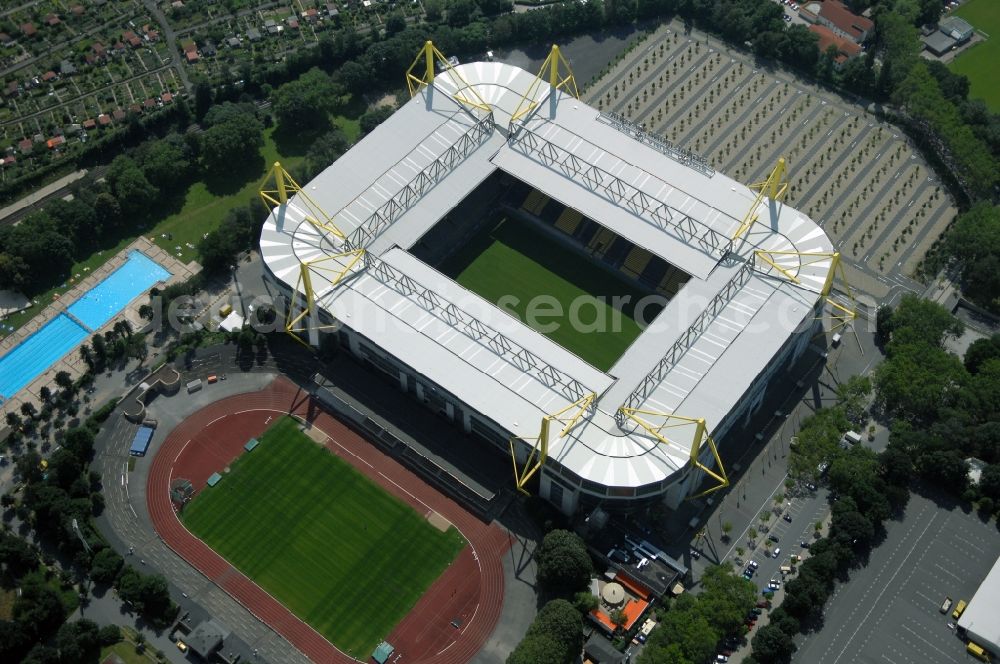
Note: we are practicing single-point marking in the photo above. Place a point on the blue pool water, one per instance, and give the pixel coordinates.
(39, 351)
(59, 336)
(100, 304)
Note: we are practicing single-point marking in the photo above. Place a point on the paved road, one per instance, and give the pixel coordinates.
(889, 611)
(153, 8)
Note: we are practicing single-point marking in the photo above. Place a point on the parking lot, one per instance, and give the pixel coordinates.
(889, 612)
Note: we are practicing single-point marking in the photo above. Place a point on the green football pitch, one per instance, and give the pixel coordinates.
(979, 62)
(338, 551)
(513, 265)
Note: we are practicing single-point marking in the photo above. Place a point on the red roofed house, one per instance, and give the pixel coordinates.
(25, 145)
(311, 14)
(99, 50)
(166, 97)
(192, 56)
(842, 21)
(49, 76)
(9, 160)
(55, 141)
(118, 115)
(77, 10)
(29, 29)
(189, 46)
(132, 39)
(52, 19)
(846, 49)
(149, 104)
(104, 119)
(135, 108)
(89, 124)
(6, 39)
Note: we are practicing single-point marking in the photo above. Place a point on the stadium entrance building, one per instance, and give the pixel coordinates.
(733, 283)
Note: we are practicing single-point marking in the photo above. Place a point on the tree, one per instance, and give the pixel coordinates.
(356, 76)
(304, 104)
(202, 98)
(554, 637)
(918, 380)
(981, 351)
(325, 150)
(374, 118)
(110, 635)
(917, 320)
(168, 162)
(685, 627)
(725, 598)
(618, 618)
(771, 644)
(563, 562)
(134, 193)
(38, 610)
(105, 566)
(17, 555)
(853, 397)
(727, 527)
(79, 641)
(64, 380)
(395, 24)
(585, 602)
(233, 139)
(539, 649)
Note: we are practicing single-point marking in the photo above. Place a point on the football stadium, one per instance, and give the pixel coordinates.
(597, 303)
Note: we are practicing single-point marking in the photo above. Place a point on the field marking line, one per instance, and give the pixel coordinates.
(902, 563)
(182, 449)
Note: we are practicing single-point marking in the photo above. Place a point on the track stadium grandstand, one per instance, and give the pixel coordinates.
(425, 247)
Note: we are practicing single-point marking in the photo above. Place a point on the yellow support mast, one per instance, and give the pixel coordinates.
(775, 187)
(557, 73)
(668, 421)
(285, 186)
(334, 268)
(841, 314)
(569, 417)
(425, 62)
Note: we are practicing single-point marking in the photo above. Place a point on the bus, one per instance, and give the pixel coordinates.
(959, 609)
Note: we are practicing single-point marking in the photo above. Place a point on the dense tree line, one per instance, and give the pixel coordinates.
(972, 248)
(691, 626)
(38, 253)
(554, 637)
(943, 410)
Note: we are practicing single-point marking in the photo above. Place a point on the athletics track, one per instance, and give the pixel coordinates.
(470, 590)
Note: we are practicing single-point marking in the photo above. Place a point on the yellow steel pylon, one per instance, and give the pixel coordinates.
(569, 417)
(284, 186)
(700, 437)
(334, 268)
(774, 187)
(556, 78)
(841, 315)
(428, 56)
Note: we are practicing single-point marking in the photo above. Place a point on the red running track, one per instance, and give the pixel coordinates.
(470, 590)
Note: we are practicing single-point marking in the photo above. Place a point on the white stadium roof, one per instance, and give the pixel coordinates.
(697, 358)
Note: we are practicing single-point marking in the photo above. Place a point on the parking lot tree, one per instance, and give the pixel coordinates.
(537, 649)
(973, 245)
(918, 380)
(564, 566)
(917, 320)
(785, 621)
(772, 645)
(852, 529)
(105, 566)
(148, 593)
(989, 482)
(852, 396)
(805, 596)
(555, 635)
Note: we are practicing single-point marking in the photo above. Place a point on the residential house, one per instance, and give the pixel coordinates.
(131, 39)
(233, 42)
(6, 39)
(118, 115)
(25, 145)
(149, 104)
(90, 124)
(49, 76)
(52, 20)
(55, 142)
(104, 119)
(192, 56)
(293, 23)
(77, 10)
(9, 160)
(166, 97)
(67, 68)
(253, 34)
(99, 50)
(208, 50)
(29, 30)
(311, 15)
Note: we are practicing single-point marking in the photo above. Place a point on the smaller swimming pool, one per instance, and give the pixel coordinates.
(38, 352)
(100, 304)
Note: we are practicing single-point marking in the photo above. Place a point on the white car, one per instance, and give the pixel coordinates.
(776, 553)
(774, 585)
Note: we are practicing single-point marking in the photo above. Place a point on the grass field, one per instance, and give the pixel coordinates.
(513, 259)
(979, 62)
(338, 551)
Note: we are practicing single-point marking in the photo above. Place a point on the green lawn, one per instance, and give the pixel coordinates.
(979, 62)
(338, 551)
(201, 213)
(511, 264)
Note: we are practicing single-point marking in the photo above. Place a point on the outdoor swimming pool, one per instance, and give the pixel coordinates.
(38, 352)
(59, 336)
(100, 304)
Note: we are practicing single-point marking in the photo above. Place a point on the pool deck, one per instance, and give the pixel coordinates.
(72, 362)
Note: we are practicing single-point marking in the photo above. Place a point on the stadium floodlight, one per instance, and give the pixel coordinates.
(775, 187)
(430, 55)
(665, 421)
(569, 417)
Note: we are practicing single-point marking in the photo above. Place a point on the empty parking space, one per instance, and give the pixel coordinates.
(890, 611)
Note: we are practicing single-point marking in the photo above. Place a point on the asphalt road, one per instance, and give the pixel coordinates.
(888, 613)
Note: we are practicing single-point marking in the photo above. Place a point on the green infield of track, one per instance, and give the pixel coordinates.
(979, 61)
(510, 263)
(338, 551)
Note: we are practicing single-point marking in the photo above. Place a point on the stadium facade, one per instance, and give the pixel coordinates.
(745, 280)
